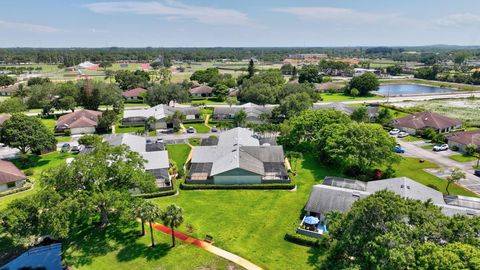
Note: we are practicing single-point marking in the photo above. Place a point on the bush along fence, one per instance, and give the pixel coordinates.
(26, 187)
(302, 240)
(278, 186)
(160, 192)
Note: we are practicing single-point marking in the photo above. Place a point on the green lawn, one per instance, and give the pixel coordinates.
(194, 141)
(413, 169)
(412, 139)
(343, 97)
(178, 153)
(124, 129)
(199, 127)
(120, 247)
(462, 158)
(428, 146)
(206, 101)
(38, 163)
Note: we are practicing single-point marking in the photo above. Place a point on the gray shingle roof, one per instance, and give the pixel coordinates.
(253, 111)
(159, 112)
(339, 195)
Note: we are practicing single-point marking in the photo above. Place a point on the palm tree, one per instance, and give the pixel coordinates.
(22, 91)
(240, 118)
(150, 212)
(176, 118)
(149, 123)
(173, 217)
(109, 75)
(138, 211)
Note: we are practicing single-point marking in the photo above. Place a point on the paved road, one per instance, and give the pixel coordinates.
(472, 182)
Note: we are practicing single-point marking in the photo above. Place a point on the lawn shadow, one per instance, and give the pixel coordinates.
(311, 163)
(316, 257)
(81, 248)
(31, 161)
(136, 250)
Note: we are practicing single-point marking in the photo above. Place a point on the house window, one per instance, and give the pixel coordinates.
(11, 185)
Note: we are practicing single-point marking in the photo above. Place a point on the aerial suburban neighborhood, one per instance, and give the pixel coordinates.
(239, 135)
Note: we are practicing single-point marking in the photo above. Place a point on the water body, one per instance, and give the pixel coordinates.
(409, 89)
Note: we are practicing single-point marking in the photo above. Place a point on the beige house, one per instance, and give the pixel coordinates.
(10, 176)
(462, 139)
(79, 122)
(423, 120)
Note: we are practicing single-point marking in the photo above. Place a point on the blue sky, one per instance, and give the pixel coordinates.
(201, 23)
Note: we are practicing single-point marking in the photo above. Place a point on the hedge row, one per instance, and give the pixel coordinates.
(157, 194)
(13, 191)
(302, 240)
(288, 186)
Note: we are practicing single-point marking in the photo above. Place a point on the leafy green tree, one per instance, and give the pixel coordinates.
(365, 83)
(251, 69)
(89, 95)
(460, 57)
(173, 217)
(176, 118)
(220, 91)
(105, 65)
(394, 70)
(127, 79)
(22, 91)
(294, 156)
(239, 118)
(360, 115)
(301, 131)
(13, 105)
(42, 96)
(231, 101)
(294, 104)
(354, 92)
(294, 74)
(164, 94)
(107, 120)
(309, 73)
(104, 177)
(27, 134)
(384, 116)
(164, 76)
(287, 69)
(470, 149)
(38, 81)
(456, 174)
(66, 103)
(205, 76)
(6, 80)
(357, 147)
(90, 140)
(291, 88)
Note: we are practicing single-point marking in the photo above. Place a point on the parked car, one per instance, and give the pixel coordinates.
(77, 148)
(399, 150)
(149, 141)
(402, 134)
(159, 140)
(477, 173)
(440, 147)
(214, 129)
(190, 130)
(65, 147)
(394, 131)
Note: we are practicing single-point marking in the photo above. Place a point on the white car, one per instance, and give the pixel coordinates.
(394, 131)
(440, 147)
(402, 134)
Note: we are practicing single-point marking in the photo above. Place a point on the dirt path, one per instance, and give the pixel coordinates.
(209, 247)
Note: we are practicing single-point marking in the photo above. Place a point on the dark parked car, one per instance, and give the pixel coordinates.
(65, 147)
(399, 150)
(477, 173)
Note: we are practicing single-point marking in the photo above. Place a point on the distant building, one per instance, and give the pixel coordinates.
(339, 194)
(372, 111)
(160, 113)
(422, 120)
(201, 91)
(8, 90)
(464, 138)
(360, 71)
(254, 112)
(10, 176)
(79, 122)
(304, 58)
(134, 94)
(237, 158)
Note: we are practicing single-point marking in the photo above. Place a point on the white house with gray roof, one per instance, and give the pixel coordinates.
(155, 155)
(254, 112)
(238, 158)
(160, 113)
(339, 194)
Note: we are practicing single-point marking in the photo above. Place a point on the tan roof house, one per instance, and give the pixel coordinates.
(422, 120)
(201, 91)
(134, 94)
(79, 122)
(10, 176)
(462, 139)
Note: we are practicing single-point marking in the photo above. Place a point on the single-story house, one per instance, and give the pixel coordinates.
(201, 91)
(10, 176)
(254, 112)
(338, 106)
(79, 122)
(134, 94)
(155, 155)
(464, 138)
(361, 71)
(237, 158)
(160, 113)
(8, 90)
(233, 92)
(339, 194)
(422, 120)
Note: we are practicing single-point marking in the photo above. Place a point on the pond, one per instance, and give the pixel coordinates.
(409, 89)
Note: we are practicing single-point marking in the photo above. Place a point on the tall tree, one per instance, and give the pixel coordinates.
(27, 134)
(150, 213)
(365, 83)
(294, 104)
(309, 73)
(239, 118)
(173, 217)
(251, 68)
(360, 115)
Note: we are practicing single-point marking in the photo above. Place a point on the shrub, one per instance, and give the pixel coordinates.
(354, 92)
(27, 186)
(454, 148)
(29, 172)
(279, 186)
(302, 240)
(157, 194)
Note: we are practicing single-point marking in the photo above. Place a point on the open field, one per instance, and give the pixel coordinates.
(343, 97)
(462, 109)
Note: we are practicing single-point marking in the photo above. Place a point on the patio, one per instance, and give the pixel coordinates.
(311, 226)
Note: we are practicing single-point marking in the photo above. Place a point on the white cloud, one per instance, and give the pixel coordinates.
(35, 28)
(344, 16)
(459, 19)
(174, 10)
